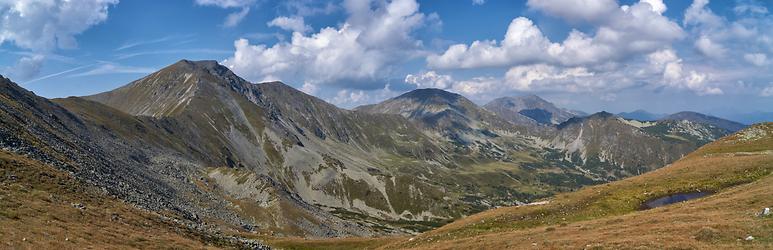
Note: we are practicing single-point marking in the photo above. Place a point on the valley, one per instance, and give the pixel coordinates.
(735, 169)
(263, 162)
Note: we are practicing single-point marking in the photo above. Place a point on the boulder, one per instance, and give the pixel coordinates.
(765, 212)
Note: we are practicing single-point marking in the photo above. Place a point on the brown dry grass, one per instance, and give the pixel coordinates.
(720, 221)
(330, 244)
(36, 211)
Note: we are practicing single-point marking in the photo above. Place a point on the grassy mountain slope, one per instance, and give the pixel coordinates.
(737, 168)
(45, 207)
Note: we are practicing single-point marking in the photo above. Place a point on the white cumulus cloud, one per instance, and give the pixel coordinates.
(575, 10)
(44, 26)
(709, 48)
(699, 14)
(620, 33)
(294, 23)
(430, 79)
(542, 76)
(357, 53)
(657, 5)
(675, 75)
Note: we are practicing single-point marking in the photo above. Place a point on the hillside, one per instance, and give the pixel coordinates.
(299, 152)
(47, 208)
(736, 169)
(614, 148)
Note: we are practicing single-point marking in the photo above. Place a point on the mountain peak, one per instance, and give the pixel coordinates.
(200, 63)
(602, 114)
(687, 113)
(431, 94)
(532, 97)
(276, 84)
(522, 109)
(208, 66)
(169, 90)
(706, 119)
(424, 102)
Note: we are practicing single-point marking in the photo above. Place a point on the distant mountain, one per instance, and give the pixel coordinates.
(528, 108)
(751, 118)
(438, 109)
(641, 115)
(706, 119)
(450, 114)
(616, 147)
(606, 146)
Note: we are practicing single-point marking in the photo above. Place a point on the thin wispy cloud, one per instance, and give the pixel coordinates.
(172, 51)
(131, 45)
(59, 73)
(111, 68)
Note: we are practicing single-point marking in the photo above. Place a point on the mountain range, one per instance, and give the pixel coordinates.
(642, 115)
(198, 144)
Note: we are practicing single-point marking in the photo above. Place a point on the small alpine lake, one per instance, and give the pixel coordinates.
(671, 199)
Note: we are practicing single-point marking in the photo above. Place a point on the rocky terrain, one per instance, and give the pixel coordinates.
(204, 146)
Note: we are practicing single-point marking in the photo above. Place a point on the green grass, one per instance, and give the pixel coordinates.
(702, 170)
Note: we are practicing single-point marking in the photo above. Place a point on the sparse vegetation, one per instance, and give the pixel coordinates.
(44, 207)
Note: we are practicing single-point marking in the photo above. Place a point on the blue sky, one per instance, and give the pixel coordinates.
(662, 56)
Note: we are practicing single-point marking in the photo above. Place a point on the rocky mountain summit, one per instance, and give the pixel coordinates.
(198, 142)
(530, 108)
(705, 119)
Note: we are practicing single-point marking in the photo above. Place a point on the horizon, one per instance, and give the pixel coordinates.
(445, 90)
(697, 56)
